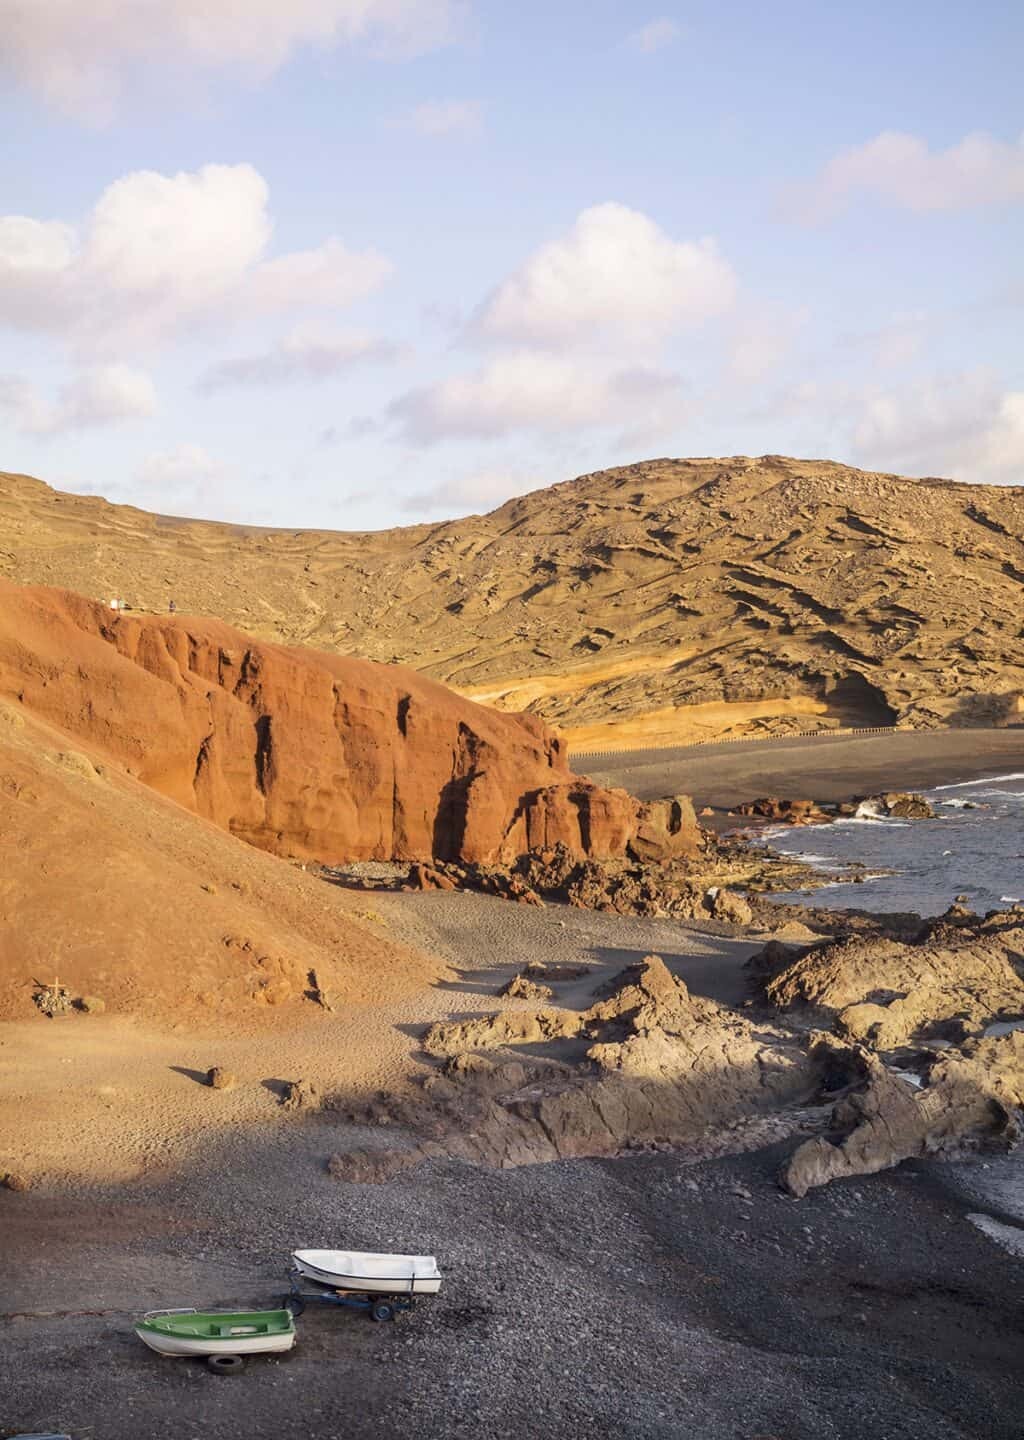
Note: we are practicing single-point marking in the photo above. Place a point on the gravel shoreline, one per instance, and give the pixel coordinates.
(640, 1296)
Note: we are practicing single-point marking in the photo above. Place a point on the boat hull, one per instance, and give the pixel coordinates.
(369, 1284)
(165, 1344)
(217, 1332)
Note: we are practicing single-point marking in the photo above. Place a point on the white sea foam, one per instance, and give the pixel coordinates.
(872, 820)
(986, 780)
(827, 861)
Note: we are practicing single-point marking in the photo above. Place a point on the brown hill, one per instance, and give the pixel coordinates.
(660, 601)
(298, 752)
(123, 895)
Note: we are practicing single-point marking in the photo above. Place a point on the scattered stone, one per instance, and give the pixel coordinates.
(318, 994)
(301, 1095)
(276, 991)
(727, 905)
(54, 999)
(17, 1182)
(220, 1079)
(521, 987)
(77, 764)
(546, 970)
(373, 1167)
(425, 877)
(667, 830)
(892, 804)
(790, 812)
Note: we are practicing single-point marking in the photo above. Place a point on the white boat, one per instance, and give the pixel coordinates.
(370, 1273)
(213, 1332)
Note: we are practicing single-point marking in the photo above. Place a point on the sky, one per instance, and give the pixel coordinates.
(361, 263)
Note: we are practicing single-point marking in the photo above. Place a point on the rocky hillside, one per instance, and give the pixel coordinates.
(305, 754)
(127, 902)
(661, 601)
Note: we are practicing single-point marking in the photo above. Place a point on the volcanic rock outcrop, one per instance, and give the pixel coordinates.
(917, 1059)
(303, 753)
(969, 1098)
(646, 1063)
(661, 601)
(952, 981)
(703, 886)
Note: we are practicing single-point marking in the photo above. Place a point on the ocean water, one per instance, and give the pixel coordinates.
(977, 852)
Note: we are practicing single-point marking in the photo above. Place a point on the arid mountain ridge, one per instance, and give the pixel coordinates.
(664, 601)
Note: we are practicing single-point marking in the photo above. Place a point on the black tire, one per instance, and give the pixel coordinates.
(225, 1364)
(295, 1304)
(383, 1310)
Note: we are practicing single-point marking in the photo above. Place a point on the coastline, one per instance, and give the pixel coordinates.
(824, 769)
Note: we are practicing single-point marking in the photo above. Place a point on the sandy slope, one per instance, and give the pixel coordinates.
(129, 897)
(836, 595)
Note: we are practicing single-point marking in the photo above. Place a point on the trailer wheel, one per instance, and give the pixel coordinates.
(225, 1364)
(295, 1304)
(382, 1310)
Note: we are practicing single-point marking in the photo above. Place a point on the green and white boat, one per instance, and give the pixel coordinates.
(216, 1332)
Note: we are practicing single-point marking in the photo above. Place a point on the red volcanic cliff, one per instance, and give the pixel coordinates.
(302, 753)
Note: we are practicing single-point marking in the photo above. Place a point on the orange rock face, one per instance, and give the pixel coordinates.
(300, 752)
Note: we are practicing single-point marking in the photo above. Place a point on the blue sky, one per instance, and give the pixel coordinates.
(356, 263)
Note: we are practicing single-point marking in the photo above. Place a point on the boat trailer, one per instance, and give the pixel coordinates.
(379, 1307)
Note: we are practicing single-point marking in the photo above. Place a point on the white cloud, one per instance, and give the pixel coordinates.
(964, 425)
(103, 395)
(302, 355)
(1002, 451)
(655, 35)
(900, 342)
(479, 490)
(436, 118)
(900, 169)
(178, 240)
(762, 340)
(616, 275)
(185, 476)
(540, 392)
(79, 55)
(159, 252)
(329, 275)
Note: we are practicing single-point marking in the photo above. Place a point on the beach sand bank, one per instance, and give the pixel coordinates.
(826, 769)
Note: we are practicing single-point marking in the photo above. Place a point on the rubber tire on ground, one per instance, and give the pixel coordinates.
(383, 1310)
(225, 1364)
(295, 1304)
